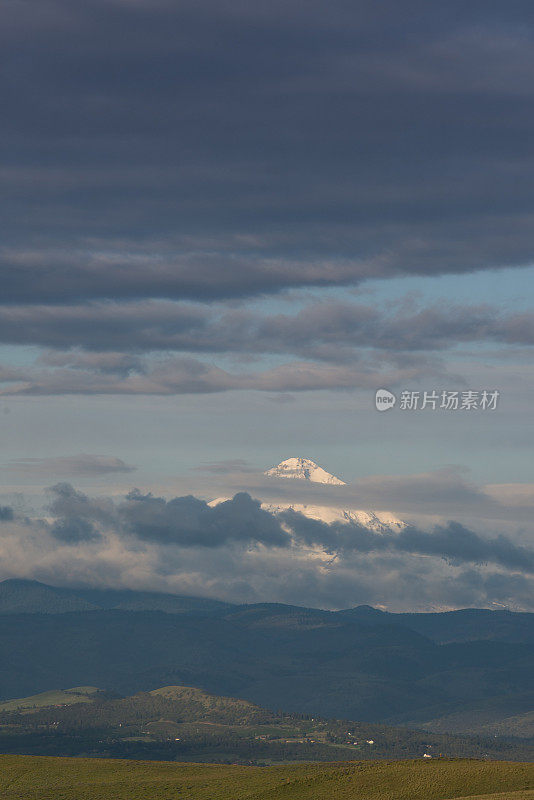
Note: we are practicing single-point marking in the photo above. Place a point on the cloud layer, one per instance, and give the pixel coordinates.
(322, 330)
(168, 163)
(84, 464)
(168, 348)
(188, 190)
(239, 552)
(209, 150)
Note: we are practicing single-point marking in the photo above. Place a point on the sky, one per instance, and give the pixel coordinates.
(225, 226)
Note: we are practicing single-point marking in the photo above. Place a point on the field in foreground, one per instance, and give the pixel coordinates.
(42, 778)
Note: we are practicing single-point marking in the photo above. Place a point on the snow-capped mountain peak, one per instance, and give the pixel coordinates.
(303, 469)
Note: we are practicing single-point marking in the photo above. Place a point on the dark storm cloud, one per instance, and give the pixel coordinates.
(77, 516)
(325, 331)
(74, 530)
(208, 150)
(459, 545)
(452, 542)
(237, 551)
(182, 521)
(189, 522)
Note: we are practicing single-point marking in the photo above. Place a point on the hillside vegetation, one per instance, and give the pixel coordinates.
(489, 721)
(182, 723)
(56, 697)
(71, 779)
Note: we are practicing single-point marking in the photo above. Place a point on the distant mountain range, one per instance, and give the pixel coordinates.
(307, 471)
(461, 670)
(18, 596)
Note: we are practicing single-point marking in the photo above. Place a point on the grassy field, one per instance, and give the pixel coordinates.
(41, 778)
(527, 794)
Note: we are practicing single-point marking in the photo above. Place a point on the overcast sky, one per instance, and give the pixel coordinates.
(226, 224)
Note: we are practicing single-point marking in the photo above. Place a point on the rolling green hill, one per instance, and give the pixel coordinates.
(187, 724)
(72, 779)
(56, 697)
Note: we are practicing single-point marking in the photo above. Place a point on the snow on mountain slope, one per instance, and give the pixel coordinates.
(302, 469)
(377, 521)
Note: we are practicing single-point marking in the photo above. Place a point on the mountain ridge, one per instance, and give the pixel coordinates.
(359, 663)
(18, 596)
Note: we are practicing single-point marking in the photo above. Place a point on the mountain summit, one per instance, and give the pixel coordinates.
(307, 471)
(303, 469)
